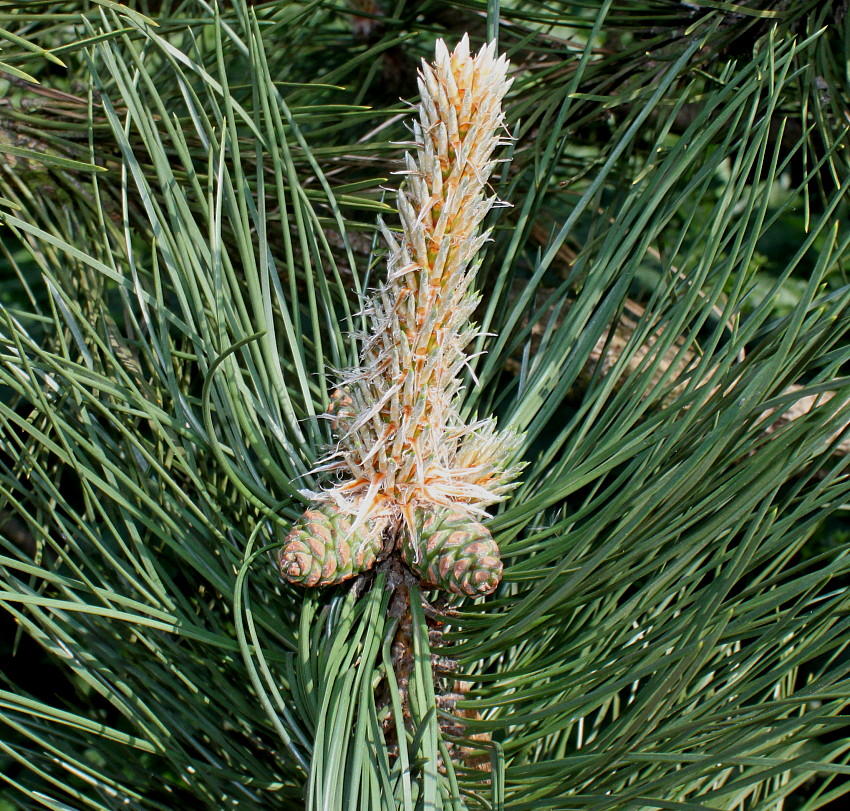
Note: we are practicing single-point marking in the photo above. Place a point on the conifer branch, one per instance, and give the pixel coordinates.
(403, 452)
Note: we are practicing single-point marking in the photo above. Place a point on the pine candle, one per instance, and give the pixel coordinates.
(408, 467)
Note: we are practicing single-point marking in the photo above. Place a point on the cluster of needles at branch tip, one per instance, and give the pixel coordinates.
(408, 468)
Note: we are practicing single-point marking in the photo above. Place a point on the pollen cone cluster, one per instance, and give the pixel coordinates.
(406, 463)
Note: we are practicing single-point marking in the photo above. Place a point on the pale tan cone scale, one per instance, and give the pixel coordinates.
(400, 441)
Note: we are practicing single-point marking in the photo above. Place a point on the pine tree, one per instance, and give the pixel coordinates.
(197, 302)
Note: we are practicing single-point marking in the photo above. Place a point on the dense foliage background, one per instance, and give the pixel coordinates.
(188, 198)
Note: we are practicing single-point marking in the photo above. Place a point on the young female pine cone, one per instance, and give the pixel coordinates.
(322, 549)
(452, 551)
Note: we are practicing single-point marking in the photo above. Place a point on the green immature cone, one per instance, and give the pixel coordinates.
(321, 549)
(453, 551)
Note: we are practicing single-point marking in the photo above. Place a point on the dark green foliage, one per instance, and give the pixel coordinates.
(188, 217)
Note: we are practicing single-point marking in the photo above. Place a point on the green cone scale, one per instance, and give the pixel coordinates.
(450, 550)
(321, 549)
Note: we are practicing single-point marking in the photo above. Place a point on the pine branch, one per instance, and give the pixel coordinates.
(401, 443)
